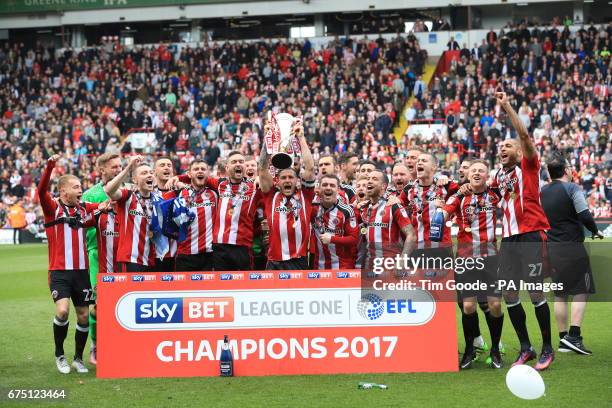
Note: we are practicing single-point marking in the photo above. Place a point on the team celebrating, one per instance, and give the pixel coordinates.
(302, 217)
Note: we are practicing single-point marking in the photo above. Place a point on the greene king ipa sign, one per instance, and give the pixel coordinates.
(40, 6)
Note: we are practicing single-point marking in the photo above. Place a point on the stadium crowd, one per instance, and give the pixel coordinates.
(558, 79)
(199, 101)
(209, 100)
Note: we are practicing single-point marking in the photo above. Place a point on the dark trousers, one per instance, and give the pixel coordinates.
(134, 267)
(194, 263)
(297, 264)
(228, 257)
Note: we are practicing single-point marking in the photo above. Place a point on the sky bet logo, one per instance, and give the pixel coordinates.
(184, 310)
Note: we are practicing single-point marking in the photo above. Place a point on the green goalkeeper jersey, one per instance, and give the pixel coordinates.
(95, 194)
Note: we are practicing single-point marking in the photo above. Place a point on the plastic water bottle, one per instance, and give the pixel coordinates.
(436, 227)
(226, 363)
(369, 386)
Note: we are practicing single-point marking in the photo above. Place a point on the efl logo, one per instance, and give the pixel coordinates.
(372, 307)
(184, 310)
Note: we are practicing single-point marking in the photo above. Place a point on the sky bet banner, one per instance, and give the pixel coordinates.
(278, 323)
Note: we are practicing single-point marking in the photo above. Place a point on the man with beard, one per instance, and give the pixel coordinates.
(164, 171)
(385, 228)
(195, 252)
(335, 228)
(476, 212)
(399, 179)
(108, 165)
(136, 251)
(233, 226)
(287, 209)
(348, 169)
(523, 246)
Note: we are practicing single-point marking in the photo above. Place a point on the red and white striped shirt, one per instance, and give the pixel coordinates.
(340, 221)
(420, 201)
(289, 222)
(67, 245)
(519, 189)
(476, 218)
(382, 226)
(135, 242)
(107, 234)
(203, 204)
(235, 211)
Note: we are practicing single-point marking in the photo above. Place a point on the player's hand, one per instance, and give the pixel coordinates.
(439, 203)
(326, 238)
(393, 200)
(267, 128)
(598, 235)
(442, 180)
(502, 97)
(465, 189)
(172, 183)
(265, 238)
(54, 158)
(105, 206)
(135, 161)
(298, 129)
(362, 204)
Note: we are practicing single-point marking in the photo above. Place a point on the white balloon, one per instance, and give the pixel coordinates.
(525, 382)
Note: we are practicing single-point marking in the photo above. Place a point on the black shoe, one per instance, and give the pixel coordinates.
(496, 359)
(563, 348)
(575, 344)
(468, 358)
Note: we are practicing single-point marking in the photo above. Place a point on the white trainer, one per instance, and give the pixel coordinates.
(62, 365)
(78, 365)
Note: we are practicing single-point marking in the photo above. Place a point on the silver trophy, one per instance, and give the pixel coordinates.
(280, 141)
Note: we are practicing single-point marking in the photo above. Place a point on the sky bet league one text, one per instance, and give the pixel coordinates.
(173, 325)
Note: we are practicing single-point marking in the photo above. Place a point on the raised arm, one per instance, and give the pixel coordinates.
(112, 187)
(266, 182)
(46, 202)
(527, 145)
(308, 161)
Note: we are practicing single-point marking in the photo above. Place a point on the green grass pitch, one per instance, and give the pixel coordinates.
(26, 362)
